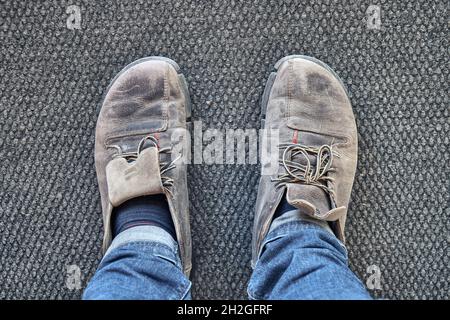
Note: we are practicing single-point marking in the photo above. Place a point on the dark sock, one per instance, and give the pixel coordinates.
(143, 211)
(283, 207)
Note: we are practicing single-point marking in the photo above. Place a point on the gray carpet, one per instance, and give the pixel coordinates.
(52, 80)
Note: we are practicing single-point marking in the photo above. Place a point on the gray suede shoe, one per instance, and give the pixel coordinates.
(140, 141)
(307, 102)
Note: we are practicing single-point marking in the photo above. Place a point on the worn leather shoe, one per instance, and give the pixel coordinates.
(317, 146)
(142, 121)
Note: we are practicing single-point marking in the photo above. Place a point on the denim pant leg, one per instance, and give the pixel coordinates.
(302, 260)
(141, 263)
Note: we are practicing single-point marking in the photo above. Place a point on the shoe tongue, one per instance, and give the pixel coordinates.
(128, 180)
(311, 199)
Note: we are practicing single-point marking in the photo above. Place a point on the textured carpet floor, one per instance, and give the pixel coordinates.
(52, 80)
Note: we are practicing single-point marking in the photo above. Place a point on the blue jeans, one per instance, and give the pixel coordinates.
(299, 260)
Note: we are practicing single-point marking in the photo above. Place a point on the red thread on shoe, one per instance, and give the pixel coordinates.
(295, 137)
(156, 135)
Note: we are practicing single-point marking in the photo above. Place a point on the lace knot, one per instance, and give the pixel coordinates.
(296, 160)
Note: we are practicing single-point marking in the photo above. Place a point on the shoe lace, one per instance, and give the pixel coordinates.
(166, 181)
(306, 172)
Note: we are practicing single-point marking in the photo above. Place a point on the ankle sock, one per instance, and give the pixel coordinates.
(143, 211)
(283, 207)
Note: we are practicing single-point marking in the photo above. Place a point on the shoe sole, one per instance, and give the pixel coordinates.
(273, 75)
(181, 79)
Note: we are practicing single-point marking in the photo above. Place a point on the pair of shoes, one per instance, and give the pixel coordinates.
(147, 105)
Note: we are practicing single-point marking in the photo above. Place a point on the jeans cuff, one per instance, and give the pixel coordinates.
(146, 234)
(289, 224)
